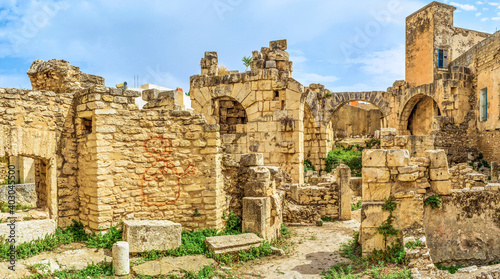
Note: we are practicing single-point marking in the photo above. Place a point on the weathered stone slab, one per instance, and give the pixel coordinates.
(257, 215)
(26, 231)
(232, 243)
(146, 235)
(25, 194)
(252, 159)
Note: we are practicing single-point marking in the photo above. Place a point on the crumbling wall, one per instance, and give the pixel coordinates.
(39, 125)
(60, 77)
(466, 229)
(326, 196)
(157, 163)
(271, 99)
(416, 145)
(391, 174)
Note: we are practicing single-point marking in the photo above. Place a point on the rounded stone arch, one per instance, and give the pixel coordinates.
(409, 111)
(228, 113)
(202, 99)
(376, 98)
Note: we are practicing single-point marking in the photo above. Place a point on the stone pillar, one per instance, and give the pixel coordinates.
(343, 180)
(438, 172)
(494, 171)
(121, 262)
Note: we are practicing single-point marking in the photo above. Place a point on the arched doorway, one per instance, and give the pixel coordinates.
(418, 115)
(229, 114)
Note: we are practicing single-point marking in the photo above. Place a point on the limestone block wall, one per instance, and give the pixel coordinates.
(39, 125)
(465, 177)
(392, 174)
(466, 229)
(325, 196)
(416, 145)
(157, 163)
(347, 121)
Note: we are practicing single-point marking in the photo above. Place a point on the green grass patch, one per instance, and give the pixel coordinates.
(4, 207)
(372, 266)
(73, 233)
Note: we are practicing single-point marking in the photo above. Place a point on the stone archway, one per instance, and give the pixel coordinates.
(416, 118)
(229, 114)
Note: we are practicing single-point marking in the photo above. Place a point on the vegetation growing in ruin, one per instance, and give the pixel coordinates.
(247, 60)
(348, 155)
(434, 201)
(223, 70)
(4, 207)
(193, 242)
(372, 266)
(413, 244)
(308, 165)
(73, 233)
(372, 143)
(386, 229)
(326, 218)
(357, 206)
(451, 268)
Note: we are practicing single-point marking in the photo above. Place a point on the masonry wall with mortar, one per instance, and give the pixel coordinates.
(36, 124)
(271, 100)
(158, 163)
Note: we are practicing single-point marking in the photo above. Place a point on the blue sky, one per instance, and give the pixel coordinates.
(346, 45)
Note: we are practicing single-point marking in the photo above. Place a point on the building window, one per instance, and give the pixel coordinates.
(442, 58)
(483, 105)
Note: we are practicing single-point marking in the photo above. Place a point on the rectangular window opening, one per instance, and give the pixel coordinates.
(442, 58)
(483, 105)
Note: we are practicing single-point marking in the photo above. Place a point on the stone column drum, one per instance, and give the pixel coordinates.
(121, 262)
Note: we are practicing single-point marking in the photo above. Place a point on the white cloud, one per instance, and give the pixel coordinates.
(495, 18)
(479, 2)
(494, 3)
(485, 9)
(385, 63)
(484, 19)
(465, 7)
(478, 14)
(308, 78)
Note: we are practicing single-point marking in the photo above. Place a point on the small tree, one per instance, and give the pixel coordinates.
(247, 60)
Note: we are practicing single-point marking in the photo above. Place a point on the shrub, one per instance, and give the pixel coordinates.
(350, 157)
(357, 205)
(308, 165)
(434, 201)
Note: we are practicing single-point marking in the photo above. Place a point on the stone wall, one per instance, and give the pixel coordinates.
(326, 196)
(158, 163)
(355, 121)
(464, 177)
(39, 125)
(391, 174)
(271, 99)
(466, 229)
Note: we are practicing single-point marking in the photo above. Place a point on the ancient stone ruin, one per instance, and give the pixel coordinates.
(99, 159)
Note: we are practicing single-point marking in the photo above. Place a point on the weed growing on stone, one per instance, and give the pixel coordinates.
(434, 201)
(91, 271)
(308, 165)
(386, 229)
(413, 244)
(451, 268)
(326, 218)
(357, 205)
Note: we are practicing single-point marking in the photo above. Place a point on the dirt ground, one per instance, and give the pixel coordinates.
(315, 249)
